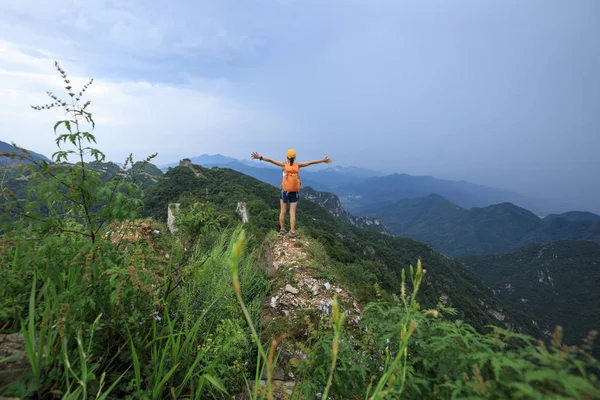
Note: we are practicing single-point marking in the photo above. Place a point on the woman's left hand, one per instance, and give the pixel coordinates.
(327, 160)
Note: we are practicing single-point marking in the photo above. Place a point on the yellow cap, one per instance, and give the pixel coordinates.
(291, 153)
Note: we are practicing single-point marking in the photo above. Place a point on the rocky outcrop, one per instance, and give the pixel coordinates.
(129, 231)
(302, 291)
(12, 347)
(282, 389)
(186, 162)
(332, 203)
(172, 210)
(242, 211)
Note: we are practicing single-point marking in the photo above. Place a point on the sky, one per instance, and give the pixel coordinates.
(502, 93)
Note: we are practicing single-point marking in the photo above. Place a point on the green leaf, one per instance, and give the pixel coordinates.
(58, 140)
(89, 136)
(541, 375)
(215, 383)
(497, 365)
(110, 389)
(524, 389)
(157, 390)
(59, 155)
(57, 125)
(136, 366)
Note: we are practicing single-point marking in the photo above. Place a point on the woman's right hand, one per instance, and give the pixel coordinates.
(255, 155)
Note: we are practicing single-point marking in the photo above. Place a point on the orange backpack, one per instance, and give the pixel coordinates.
(291, 180)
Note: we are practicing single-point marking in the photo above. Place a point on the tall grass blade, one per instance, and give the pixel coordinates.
(213, 381)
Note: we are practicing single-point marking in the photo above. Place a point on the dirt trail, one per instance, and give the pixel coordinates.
(302, 283)
(302, 294)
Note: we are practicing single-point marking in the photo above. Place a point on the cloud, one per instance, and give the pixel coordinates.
(116, 32)
(137, 116)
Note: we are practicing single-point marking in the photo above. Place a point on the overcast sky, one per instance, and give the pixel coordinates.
(504, 93)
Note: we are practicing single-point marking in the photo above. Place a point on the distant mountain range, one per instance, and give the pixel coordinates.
(575, 216)
(8, 160)
(556, 283)
(361, 190)
(458, 218)
(323, 179)
(498, 228)
(361, 198)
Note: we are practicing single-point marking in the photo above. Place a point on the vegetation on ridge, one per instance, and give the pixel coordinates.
(369, 262)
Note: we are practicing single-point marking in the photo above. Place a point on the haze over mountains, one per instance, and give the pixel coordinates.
(362, 189)
(360, 197)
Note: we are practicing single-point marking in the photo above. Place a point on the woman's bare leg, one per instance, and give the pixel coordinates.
(282, 214)
(293, 216)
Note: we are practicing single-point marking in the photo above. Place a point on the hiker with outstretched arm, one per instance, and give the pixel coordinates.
(290, 185)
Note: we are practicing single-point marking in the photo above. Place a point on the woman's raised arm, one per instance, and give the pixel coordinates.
(307, 163)
(255, 156)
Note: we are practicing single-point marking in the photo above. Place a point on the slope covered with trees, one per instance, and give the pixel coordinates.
(498, 228)
(554, 283)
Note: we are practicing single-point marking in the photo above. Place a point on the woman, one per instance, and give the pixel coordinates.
(290, 186)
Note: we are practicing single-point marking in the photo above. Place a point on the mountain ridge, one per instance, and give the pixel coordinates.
(333, 204)
(363, 197)
(575, 216)
(497, 228)
(8, 160)
(364, 257)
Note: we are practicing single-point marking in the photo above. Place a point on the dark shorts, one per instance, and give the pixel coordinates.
(289, 197)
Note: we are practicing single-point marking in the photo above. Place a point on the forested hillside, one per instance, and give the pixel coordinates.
(498, 228)
(554, 283)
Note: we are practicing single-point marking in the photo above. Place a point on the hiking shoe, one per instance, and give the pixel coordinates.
(293, 234)
(282, 232)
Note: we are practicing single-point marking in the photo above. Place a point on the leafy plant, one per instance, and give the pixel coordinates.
(199, 220)
(68, 198)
